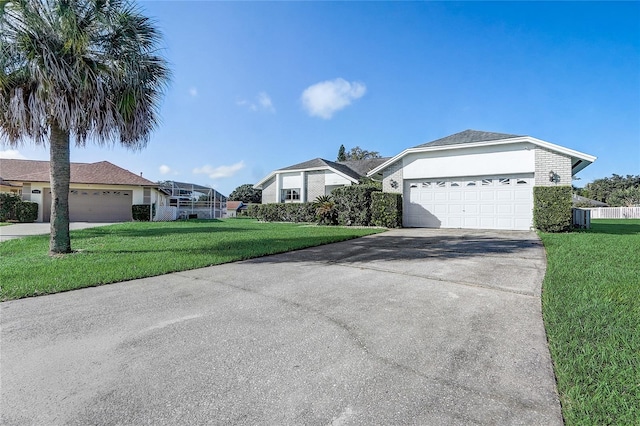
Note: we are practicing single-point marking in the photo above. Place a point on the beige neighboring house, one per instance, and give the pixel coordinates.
(98, 192)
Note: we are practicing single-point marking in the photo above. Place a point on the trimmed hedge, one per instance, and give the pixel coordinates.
(354, 204)
(552, 208)
(140, 212)
(283, 212)
(12, 207)
(386, 209)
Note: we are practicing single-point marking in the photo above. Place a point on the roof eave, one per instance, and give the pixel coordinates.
(586, 159)
(309, 169)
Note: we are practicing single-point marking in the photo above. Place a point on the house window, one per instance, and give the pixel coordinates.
(290, 195)
(505, 181)
(486, 182)
(426, 184)
(454, 184)
(440, 184)
(521, 182)
(471, 183)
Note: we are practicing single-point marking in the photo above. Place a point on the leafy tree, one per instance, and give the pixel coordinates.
(628, 197)
(246, 193)
(342, 156)
(602, 189)
(81, 69)
(358, 153)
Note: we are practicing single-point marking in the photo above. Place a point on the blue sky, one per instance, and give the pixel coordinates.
(263, 85)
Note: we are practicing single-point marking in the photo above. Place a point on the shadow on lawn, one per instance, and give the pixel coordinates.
(154, 232)
(615, 228)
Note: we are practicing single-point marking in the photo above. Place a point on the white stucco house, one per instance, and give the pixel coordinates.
(304, 182)
(476, 179)
(472, 179)
(98, 192)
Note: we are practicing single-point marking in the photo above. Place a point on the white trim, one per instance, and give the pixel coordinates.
(309, 169)
(576, 154)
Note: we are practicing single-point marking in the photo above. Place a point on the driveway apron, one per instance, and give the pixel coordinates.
(411, 326)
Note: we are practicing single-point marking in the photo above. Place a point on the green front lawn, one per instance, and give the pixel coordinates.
(591, 307)
(141, 249)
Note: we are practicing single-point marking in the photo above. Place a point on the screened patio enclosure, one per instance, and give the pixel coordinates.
(194, 201)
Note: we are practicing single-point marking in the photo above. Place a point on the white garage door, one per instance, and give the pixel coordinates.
(92, 205)
(483, 202)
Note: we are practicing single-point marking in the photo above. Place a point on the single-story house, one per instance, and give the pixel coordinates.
(98, 192)
(234, 208)
(472, 179)
(304, 182)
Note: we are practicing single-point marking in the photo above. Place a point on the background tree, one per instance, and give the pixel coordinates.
(246, 193)
(81, 69)
(628, 197)
(357, 153)
(602, 189)
(342, 156)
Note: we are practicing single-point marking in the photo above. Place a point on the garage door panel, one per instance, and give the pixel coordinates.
(485, 202)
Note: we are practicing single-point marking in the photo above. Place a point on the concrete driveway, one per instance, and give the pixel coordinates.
(412, 326)
(19, 230)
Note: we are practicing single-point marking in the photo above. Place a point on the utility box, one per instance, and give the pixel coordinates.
(581, 218)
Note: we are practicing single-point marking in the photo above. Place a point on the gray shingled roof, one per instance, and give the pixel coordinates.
(355, 169)
(468, 136)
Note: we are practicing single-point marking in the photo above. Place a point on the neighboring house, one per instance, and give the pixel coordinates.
(472, 179)
(98, 192)
(477, 180)
(234, 208)
(306, 181)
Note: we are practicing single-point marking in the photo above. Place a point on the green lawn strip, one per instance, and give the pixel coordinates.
(591, 309)
(141, 249)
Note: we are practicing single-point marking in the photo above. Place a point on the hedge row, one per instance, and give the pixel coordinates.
(386, 209)
(140, 212)
(552, 208)
(356, 205)
(12, 207)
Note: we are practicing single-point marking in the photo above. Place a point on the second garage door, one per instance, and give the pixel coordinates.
(482, 202)
(87, 205)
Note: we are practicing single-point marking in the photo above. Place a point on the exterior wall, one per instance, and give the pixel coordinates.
(136, 192)
(393, 173)
(269, 194)
(477, 161)
(549, 161)
(315, 185)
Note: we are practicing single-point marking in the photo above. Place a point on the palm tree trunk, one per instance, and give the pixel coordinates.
(60, 167)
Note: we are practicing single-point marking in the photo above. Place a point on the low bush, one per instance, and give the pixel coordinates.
(386, 209)
(12, 207)
(140, 212)
(283, 212)
(353, 203)
(326, 212)
(552, 208)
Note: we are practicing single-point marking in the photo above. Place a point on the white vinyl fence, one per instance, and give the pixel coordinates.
(166, 214)
(615, 213)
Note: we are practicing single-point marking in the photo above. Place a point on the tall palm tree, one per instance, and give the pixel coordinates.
(87, 70)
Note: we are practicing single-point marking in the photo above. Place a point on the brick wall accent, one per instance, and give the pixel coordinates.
(547, 161)
(315, 185)
(269, 192)
(393, 172)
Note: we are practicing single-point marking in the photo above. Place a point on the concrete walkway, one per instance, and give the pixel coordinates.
(413, 326)
(18, 230)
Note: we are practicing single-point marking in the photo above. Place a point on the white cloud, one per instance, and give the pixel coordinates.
(325, 98)
(12, 154)
(164, 169)
(220, 171)
(193, 92)
(262, 103)
(265, 101)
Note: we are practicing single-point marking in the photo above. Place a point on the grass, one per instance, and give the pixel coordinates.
(141, 249)
(591, 309)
